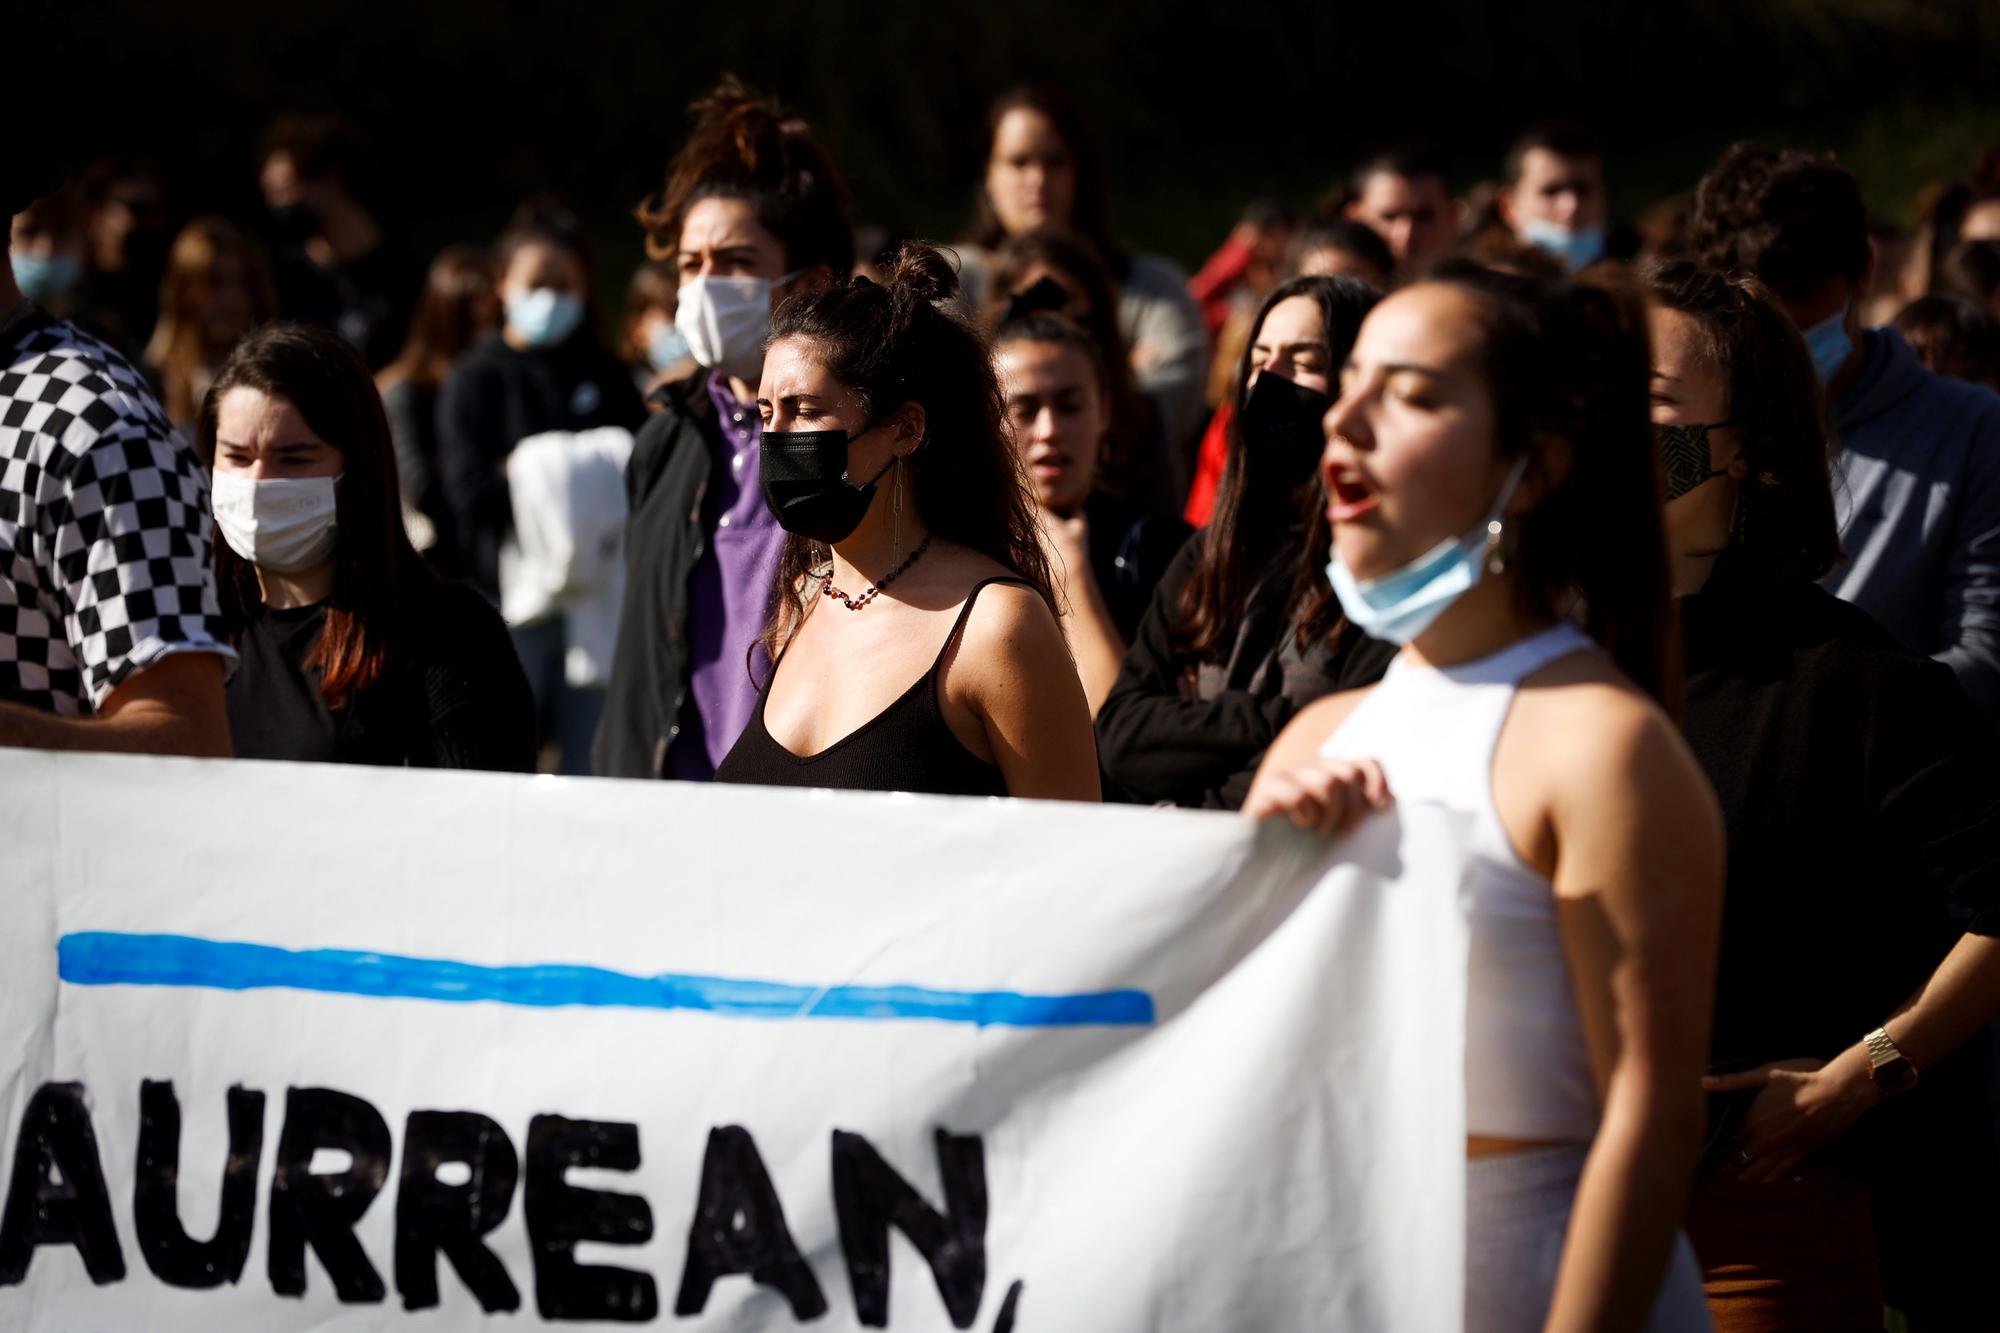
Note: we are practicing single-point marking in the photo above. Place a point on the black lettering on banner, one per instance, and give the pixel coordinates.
(1004, 1321)
(739, 1227)
(57, 1194)
(560, 1215)
(433, 1216)
(322, 1209)
(869, 1198)
(174, 1257)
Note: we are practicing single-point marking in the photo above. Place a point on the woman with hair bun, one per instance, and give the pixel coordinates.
(913, 634)
(753, 210)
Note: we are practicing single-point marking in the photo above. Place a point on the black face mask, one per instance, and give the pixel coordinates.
(1282, 438)
(803, 474)
(1684, 455)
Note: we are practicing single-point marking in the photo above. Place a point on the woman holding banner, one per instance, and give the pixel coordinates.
(1861, 788)
(913, 635)
(1489, 471)
(352, 650)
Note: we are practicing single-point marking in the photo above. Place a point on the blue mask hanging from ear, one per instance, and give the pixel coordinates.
(1829, 344)
(1403, 603)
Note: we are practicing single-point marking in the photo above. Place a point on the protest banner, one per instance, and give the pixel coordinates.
(298, 1046)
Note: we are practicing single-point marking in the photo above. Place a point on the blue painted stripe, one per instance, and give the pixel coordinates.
(110, 958)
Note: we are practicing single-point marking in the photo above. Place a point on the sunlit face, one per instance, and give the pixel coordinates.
(1553, 188)
(1291, 344)
(1415, 215)
(1031, 177)
(262, 437)
(722, 238)
(1410, 458)
(1689, 388)
(1057, 417)
(798, 393)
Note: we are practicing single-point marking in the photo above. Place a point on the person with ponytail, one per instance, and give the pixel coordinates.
(1243, 631)
(753, 210)
(1494, 508)
(1861, 934)
(351, 650)
(913, 634)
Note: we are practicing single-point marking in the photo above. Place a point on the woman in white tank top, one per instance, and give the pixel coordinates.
(1489, 469)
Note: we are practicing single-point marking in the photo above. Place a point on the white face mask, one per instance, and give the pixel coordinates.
(725, 321)
(284, 525)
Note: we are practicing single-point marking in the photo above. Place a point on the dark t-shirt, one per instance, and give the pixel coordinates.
(455, 697)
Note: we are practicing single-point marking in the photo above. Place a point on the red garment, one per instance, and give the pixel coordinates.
(1218, 279)
(1208, 465)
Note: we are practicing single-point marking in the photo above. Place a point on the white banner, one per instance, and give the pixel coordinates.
(291, 1046)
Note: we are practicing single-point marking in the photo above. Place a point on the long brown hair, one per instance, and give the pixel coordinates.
(180, 348)
(375, 569)
(457, 307)
(1250, 531)
(892, 345)
(1568, 365)
(1773, 396)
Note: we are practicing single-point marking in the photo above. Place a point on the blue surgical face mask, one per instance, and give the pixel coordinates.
(544, 317)
(47, 279)
(1829, 344)
(1403, 603)
(666, 346)
(1575, 246)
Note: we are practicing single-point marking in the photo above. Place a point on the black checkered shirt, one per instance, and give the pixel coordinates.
(104, 556)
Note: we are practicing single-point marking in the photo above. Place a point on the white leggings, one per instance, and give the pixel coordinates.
(1517, 1208)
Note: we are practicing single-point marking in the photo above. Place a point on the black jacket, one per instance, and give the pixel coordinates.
(1861, 790)
(497, 396)
(646, 708)
(1176, 729)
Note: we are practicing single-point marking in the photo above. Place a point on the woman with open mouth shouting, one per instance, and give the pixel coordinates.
(1490, 476)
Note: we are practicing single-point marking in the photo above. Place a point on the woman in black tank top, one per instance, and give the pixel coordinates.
(913, 541)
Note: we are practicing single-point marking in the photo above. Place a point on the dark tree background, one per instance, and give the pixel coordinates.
(475, 105)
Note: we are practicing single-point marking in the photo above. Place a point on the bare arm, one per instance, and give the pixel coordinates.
(173, 706)
(1638, 843)
(1021, 684)
(1093, 636)
(1807, 1104)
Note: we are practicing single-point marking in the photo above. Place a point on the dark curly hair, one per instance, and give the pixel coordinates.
(1791, 218)
(895, 344)
(754, 149)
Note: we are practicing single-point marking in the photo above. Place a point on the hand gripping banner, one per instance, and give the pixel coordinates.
(305, 1047)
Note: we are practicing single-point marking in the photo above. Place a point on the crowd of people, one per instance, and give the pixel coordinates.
(1669, 551)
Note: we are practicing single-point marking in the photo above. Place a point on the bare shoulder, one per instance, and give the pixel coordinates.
(1005, 618)
(1584, 715)
(1586, 755)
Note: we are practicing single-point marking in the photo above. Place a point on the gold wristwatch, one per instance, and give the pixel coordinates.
(1888, 1067)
